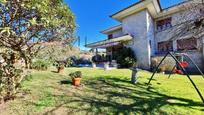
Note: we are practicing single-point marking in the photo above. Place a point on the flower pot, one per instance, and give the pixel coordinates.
(76, 81)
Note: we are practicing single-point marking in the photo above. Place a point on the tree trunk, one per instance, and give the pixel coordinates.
(25, 59)
(30, 63)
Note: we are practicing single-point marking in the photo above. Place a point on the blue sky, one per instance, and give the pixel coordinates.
(92, 16)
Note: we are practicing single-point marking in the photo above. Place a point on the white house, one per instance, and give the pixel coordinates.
(150, 31)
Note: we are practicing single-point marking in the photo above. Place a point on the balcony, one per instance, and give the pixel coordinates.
(110, 42)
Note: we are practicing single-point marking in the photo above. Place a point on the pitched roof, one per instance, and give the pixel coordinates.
(153, 6)
(112, 29)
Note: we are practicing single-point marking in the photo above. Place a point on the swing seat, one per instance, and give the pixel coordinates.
(178, 71)
(184, 64)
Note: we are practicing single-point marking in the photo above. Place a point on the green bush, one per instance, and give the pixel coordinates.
(96, 58)
(76, 74)
(125, 57)
(61, 65)
(41, 65)
(69, 62)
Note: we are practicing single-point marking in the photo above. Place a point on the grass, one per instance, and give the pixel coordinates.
(106, 92)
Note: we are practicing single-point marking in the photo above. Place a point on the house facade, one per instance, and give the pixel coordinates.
(152, 31)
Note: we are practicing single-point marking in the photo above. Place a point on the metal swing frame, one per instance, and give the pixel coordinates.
(183, 70)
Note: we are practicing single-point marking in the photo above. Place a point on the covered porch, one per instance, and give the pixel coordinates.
(111, 47)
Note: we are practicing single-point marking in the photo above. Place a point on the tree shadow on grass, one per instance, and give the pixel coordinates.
(65, 82)
(116, 96)
(54, 71)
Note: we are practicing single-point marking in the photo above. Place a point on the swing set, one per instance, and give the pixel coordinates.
(194, 26)
(180, 68)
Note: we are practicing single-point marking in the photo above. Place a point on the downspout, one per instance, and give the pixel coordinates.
(203, 47)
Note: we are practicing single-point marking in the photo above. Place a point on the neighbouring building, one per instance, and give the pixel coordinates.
(148, 30)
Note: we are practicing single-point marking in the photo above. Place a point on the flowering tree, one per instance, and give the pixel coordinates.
(24, 24)
(56, 51)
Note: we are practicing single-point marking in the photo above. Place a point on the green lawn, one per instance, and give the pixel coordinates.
(106, 92)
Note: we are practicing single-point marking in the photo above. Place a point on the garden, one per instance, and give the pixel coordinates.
(41, 72)
(105, 92)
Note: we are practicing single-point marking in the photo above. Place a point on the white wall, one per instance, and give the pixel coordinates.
(150, 33)
(117, 33)
(136, 25)
(175, 32)
(203, 46)
(165, 35)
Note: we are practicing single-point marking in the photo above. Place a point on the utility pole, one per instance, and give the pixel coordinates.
(85, 40)
(79, 41)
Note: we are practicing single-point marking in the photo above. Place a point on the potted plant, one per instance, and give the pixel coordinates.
(76, 78)
(60, 68)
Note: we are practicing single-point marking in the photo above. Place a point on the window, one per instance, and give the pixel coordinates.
(202, 11)
(187, 44)
(164, 24)
(110, 36)
(165, 46)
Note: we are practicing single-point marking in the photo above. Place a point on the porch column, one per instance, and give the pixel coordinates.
(96, 51)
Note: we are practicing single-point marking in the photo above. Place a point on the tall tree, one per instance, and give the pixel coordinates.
(26, 23)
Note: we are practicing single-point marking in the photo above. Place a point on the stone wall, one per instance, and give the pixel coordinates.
(197, 58)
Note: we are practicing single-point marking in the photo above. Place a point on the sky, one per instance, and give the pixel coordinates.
(92, 16)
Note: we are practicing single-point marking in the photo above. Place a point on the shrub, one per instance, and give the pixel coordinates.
(96, 58)
(125, 57)
(69, 62)
(11, 75)
(41, 65)
(83, 61)
(61, 66)
(166, 66)
(10, 79)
